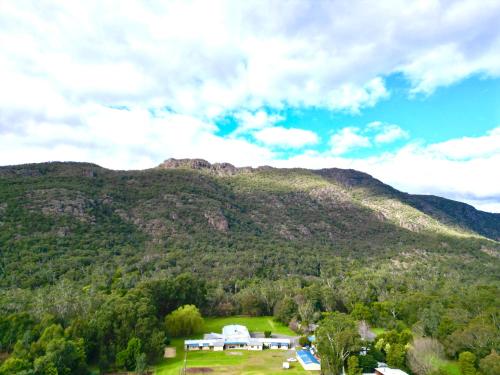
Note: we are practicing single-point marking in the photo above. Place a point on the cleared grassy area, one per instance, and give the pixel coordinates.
(451, 367)
(254, 324)
(378, 331)
(235, 362)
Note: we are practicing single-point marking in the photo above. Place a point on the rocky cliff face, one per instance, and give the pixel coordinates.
(200, 164)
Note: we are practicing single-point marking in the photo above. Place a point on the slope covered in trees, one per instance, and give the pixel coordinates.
(92, 258)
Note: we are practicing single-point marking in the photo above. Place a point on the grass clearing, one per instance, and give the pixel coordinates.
(254, 324)
(378, 331)
(266, 362)
(451, 367)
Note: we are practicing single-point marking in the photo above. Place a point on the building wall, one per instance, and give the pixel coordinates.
(256, 347)
(236, 347)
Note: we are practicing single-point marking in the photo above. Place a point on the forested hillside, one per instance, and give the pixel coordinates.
(91, 258)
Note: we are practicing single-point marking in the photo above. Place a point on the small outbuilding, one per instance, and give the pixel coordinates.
(389, 371)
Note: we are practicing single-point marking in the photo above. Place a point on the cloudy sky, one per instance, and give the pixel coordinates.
(408, 91)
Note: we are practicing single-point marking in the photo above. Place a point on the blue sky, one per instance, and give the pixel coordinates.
(469, 108)
(406, 91)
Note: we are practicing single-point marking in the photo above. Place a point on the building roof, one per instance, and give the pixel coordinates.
(235, 335)
(204, 342)
(235, 331)
(390, 371)
(274, 341)
(213, 336)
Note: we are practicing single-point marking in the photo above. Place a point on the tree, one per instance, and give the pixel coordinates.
(478, 337)
(14, 365)
(184, 321)
(285, 310)
(431, 319)
(396, 356)
(303, 341)
(423, 354)
(365, 332)
(250, 302)
(45, 366)
(267, 334)
(353, 367)
(337, 337)
(128, 358)
(140, 364)
(367, 362)
(306, 311)
(68, 356)
(361, 312)
(490, 365)
(467, 363)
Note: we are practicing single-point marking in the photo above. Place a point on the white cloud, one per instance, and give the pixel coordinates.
(347, 139)
(208, 59)
(438, 168)
(125, 139)
(248, 121)
(287, 138)
(387, 133)
(353, 98)
(469, 147)
(64, 64)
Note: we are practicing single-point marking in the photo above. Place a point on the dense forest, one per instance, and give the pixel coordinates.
(93, 260)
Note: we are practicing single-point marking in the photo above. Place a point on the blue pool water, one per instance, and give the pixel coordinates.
(307, 357)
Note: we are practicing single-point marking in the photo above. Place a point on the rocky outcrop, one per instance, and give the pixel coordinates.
(185, 163)
(61, 202)
(217, 220)
(200, 164)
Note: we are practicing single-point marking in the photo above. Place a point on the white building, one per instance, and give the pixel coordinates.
(235, 337)
(389, 371)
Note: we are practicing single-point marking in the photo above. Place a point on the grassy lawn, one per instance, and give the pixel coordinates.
(378, 331)
(451, 367)
(254, 324)
(266, 362)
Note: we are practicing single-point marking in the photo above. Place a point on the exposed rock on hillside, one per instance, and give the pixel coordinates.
(217, 220)
(220, 169)
(59, 201)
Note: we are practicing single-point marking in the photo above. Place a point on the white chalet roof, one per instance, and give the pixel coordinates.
(390, 371)
(235, 332)
(237, 335)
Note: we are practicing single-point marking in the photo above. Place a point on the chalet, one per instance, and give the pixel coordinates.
(389, 371)
(235, 337)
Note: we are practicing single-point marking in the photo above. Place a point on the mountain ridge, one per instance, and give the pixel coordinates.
(446, 211)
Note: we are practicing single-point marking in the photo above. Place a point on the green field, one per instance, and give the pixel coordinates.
(254, 324)
(378, 331)
(266, 362)
(451, 367)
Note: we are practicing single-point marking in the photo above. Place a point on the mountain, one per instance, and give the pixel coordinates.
(68, 219)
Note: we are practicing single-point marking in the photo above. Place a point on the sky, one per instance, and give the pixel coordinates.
(407, 91)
